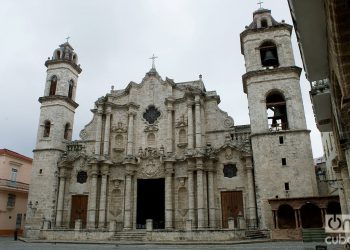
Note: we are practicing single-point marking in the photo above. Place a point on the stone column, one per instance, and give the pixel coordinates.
(276, 218)
(127, 198)
(200, 197)
(168, 195)
(107, 131)
(190, 124)
(198, 122)
(92, 196)
(296, 218)
(60, 199)
(103, 196)
(211, 196)
(98, 131)
(203, 122)
(130, 149)
(299, 219)
(190, 190)
(251, 195)
(170, 126)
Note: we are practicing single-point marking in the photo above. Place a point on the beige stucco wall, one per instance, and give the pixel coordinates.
(8, 215)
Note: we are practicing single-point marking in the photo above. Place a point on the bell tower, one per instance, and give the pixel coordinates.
(283, 163)
(54, 132)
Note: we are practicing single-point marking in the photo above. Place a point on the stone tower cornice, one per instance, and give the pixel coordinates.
(266, 72)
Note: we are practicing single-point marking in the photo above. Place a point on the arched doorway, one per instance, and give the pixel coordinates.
(311, 216)
(286, 217)
(333, 208)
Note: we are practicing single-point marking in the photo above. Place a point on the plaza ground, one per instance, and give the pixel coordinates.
(7, 243)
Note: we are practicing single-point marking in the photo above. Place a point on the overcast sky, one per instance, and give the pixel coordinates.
(114, 40)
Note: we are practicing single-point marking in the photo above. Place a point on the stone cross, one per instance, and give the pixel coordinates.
(153, 59)
(260, 3)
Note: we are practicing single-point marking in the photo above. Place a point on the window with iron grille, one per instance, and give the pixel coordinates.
(11, 200)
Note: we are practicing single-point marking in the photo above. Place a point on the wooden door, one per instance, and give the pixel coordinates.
(79, 209)
(231, 206)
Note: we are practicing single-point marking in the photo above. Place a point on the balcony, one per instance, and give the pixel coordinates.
(321, 101)
(13, 185)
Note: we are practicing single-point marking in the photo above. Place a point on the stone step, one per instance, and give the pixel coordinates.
(128, 236)
(257, 234)
(313, 235)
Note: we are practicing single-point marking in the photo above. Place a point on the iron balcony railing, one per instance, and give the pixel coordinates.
(14, 184)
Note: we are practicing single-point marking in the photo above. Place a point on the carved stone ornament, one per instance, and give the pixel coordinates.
(181, 122)
(119, 128)
(151, 128)
(150, 153)
(228, 122)
(150, 169)
(83, 134)
(228, 153)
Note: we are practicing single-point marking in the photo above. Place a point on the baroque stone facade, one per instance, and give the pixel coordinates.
(164, 150)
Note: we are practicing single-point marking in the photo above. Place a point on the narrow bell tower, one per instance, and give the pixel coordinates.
(55, 130)
(283, 163)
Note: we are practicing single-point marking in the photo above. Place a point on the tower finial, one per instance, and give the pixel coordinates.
(67, 38)
(260, 3)
(153, 59)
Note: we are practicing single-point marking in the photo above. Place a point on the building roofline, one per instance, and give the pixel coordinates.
(8, 152)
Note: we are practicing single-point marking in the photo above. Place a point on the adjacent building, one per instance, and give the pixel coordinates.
(322, 29)
(15, 175)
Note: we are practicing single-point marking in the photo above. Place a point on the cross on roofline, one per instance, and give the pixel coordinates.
(67, 38)
(153, 59)
(260, 3)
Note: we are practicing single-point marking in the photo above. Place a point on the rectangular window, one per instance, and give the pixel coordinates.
(281, 139)
(286, 186)
(11, 200)
(284, 161)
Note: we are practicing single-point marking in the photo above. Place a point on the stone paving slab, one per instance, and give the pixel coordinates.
(7, 243)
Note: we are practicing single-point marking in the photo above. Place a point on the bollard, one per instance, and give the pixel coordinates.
(15, 234)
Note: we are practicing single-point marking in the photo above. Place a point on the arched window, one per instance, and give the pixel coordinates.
(66, 131)
(70, 89)
(268, 54)
(53, 85)
(58, 54)
(151, 140)
(75, 58)
(182, 136)
(276, 111)
(264, 23)
(47, 126)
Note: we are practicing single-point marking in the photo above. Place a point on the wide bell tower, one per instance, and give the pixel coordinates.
(54, 132)
(283, 163)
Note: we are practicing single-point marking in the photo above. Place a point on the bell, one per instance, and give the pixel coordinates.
(269, 59)
(278, 114)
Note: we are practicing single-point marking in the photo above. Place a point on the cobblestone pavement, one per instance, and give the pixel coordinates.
(9, 244)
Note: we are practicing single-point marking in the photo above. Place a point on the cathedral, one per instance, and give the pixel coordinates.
(161, 161)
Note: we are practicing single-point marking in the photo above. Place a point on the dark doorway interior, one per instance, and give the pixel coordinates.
(311, 216)
(150, 203)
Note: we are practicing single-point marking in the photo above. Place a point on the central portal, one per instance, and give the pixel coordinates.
(150, 203)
